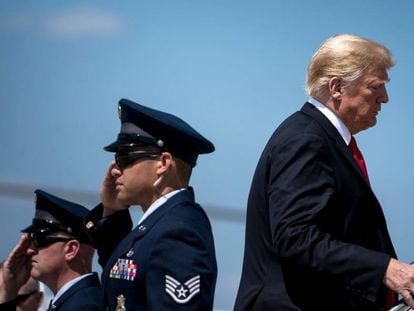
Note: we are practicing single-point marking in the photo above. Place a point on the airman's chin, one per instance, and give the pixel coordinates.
(123, 200)
(34, 273)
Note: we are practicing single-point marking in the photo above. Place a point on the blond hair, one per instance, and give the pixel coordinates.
(345, 56)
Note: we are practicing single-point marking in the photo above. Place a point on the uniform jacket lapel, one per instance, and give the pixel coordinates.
(137, 233)
(88, 281)
(141, 230)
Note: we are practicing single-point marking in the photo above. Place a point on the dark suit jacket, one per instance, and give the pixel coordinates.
(316, 237)
(83, 295)
(172, 252)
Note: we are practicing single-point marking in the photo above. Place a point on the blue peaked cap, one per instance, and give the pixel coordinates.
(54, 214)
(142, 125)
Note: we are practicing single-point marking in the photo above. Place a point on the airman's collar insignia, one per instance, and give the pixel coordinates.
(89, 225)
(130, 253)
(182, 293)
(142, 228)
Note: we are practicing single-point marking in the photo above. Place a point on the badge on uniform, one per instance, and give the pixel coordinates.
(120, 303)
(182, 293)
(124, 269)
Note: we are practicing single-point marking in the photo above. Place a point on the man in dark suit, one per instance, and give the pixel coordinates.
(168, 261)
(56, 251)
(316, 237)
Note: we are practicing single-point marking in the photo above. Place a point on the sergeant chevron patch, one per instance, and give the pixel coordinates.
(182, 293)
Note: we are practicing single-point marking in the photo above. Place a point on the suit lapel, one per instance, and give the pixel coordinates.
(346, 153)
(334, 135)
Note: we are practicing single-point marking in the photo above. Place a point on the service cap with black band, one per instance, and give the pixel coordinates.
(54, 214)
(141, 125)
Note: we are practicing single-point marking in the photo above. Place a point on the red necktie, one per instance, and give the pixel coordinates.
(358, 157)
(391, 301)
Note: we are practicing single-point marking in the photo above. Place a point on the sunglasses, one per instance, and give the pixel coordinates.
(42, 240)
(23, 297)
(123, 159)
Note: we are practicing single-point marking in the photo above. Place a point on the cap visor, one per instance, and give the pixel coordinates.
(31, 229)
(118, 145)
(114, 146)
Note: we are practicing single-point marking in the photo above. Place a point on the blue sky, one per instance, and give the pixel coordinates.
(233, 69)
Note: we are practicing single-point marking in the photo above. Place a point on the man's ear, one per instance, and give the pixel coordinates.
(335, 87)
(164, 163)
(72, 249)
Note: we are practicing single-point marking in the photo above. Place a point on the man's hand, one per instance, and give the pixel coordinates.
(400, 278)
(109, 193)
(16, 270)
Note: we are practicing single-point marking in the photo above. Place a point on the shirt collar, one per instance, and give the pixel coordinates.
(333, 118)
(158, 203)
(69, 284)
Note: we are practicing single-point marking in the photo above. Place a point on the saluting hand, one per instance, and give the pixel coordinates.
(16, 270)
(109, 193)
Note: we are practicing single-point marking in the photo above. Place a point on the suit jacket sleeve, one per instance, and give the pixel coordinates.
(298, 207)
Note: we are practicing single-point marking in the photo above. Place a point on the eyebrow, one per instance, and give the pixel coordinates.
(375, 80)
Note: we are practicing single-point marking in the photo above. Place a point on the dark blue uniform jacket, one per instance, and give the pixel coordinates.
(85, 295)
(166, 263)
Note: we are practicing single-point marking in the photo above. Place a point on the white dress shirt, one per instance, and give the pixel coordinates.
(158, 203)
(339, 125)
